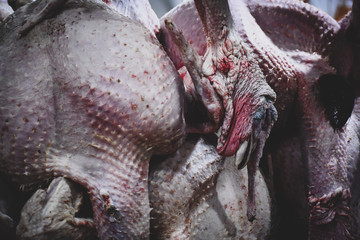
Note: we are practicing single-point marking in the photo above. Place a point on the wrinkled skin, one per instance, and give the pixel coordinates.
(84, 104)
(246, 101)
(198, 194)
(324, 145)
(320, 147)
(97, 116)
(56, 207)
(311, 62)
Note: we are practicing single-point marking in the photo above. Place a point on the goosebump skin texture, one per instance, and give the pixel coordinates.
(90, 95)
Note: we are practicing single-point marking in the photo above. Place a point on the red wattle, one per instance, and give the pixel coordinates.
(240, 128)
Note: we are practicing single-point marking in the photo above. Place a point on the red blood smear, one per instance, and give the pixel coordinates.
(240, 128)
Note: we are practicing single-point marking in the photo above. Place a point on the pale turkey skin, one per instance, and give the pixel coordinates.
(90, 95)
(51, 214)
(5, 10)
(315, 164)
(198, 194)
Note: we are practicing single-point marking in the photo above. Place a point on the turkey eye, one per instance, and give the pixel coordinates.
(337, 96)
